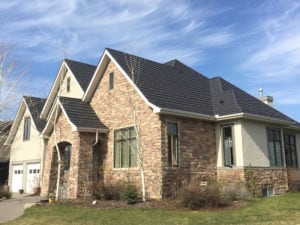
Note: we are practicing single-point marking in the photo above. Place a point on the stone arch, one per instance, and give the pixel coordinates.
(65, 149)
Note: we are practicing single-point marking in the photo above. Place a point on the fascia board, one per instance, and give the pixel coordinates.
(154, 107)
(73, 76)
(104, 60)
(53, 92)
(184, 114)
(85, 129)
(16, 123)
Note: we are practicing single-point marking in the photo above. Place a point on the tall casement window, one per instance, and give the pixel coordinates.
(173, 158)
(228, 146)
(125, 148)
(26, 132)
(111, 81)
(68, 84)
(275, 149)
(290, 150)
(67, 156)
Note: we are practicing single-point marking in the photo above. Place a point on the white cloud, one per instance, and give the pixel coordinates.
(43, 27)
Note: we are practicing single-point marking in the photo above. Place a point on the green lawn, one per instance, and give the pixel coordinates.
(277, 210)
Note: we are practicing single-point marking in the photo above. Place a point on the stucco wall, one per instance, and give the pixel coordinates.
(114, 109)
(26, 151)
(32, 149)
(254, 136)
(75, 89)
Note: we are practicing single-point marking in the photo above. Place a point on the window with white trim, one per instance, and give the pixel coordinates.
(26, 131)
(228, 150)
(290, 150)
(173, 159)
(275, 149)
(125, 148)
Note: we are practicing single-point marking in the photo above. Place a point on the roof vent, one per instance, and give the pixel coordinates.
(265, 99)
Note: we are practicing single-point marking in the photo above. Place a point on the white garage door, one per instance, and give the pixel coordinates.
(33, 177)
(17, 178)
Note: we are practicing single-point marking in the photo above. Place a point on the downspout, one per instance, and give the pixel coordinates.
(97, 137)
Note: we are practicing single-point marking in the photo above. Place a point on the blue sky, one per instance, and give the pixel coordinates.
(253, 44)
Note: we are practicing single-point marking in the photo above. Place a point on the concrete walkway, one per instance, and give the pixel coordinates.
(11, 209)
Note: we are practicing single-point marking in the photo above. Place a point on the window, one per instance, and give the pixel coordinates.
(26, 132)
(173, 144)
(125, 148)
(67, 156)
(68, 84)
(290, 150)
(111, 80)
(274, 144)
(228, 146)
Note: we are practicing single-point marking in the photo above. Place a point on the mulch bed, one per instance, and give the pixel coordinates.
(154, 204)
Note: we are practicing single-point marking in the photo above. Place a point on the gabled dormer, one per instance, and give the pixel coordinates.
(71, 81)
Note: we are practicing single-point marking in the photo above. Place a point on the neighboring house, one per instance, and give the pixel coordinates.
(27, 143)
(191, 129)
(26, 146)
(4, 151)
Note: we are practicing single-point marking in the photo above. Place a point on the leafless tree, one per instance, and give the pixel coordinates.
(10, 76)
(135, 67)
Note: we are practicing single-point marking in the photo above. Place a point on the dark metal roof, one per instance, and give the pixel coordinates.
(83, 72)
(229, 99)
(174, 85)
(81, 113)
(35, 106)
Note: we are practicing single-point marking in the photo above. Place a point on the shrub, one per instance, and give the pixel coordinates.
(233, 192)
(108, 191)
(194, 196)
(129, 193)
(5, 194)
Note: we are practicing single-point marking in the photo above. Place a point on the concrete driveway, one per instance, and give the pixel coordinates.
(13, 208)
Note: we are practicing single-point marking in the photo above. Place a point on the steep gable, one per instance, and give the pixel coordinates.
(34, 106)
(71, 81)
(79, 114)
(83, 72)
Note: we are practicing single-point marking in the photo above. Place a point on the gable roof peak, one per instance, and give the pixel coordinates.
(83, 72)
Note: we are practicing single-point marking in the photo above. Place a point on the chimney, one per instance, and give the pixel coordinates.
(265, 99)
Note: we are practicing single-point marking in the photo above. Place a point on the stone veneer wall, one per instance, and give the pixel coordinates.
(64, 134)
(276, 178)
(294, 179)
(114, 109)
(85, 162)
(197, 154)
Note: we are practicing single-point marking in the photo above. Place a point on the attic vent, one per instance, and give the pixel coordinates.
(221, 101)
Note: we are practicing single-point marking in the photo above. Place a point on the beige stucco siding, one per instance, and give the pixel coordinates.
(75, 89)
(31, 149)
(254, 138)
(26, 152)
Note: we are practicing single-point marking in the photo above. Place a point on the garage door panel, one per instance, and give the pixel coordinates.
(33, 177)
(17, 178)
